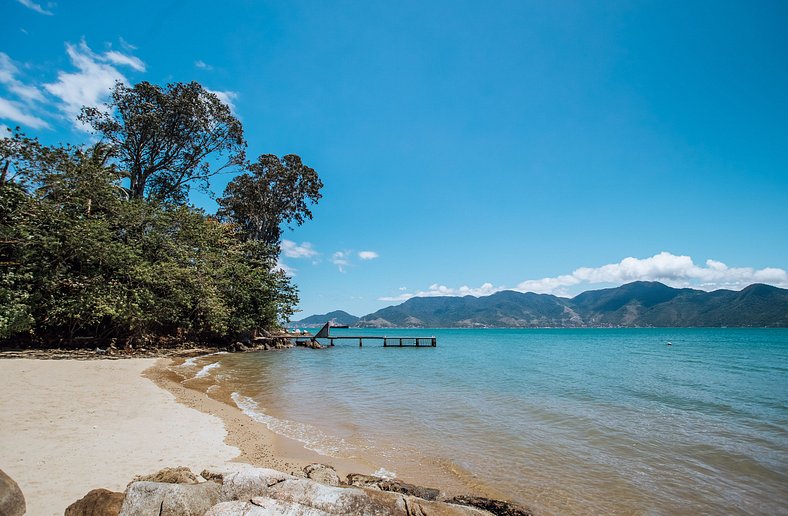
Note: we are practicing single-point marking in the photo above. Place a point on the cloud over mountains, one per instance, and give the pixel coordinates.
(667, 268)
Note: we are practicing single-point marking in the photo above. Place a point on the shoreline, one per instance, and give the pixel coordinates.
(258, 445)
(263, 447)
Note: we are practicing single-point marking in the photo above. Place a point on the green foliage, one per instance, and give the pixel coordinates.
(274, 192)
(85, 256)
(166, 138)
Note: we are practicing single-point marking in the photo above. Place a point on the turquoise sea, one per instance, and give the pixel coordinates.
(566, 421)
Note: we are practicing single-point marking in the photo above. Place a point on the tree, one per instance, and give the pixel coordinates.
(18, 153)
(166, 138)
(275, 192)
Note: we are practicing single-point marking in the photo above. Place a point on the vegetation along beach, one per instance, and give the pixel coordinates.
(410, 258)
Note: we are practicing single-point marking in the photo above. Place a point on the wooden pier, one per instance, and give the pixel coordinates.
(388, 342)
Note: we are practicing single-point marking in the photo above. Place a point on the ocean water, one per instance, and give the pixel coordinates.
(566, 421)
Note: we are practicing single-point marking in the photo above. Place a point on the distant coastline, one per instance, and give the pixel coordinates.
(633, 305)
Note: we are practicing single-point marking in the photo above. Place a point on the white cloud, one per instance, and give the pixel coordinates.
(368, 255)
(436, 290)
(8, 72)
(10, 110)
(673, 270)
(90, 85)
(126, 45)
(341, 259)
(203, 65)
(667, 268)
(227, 97)
(293, 250)
(118, 58)
(36, 7)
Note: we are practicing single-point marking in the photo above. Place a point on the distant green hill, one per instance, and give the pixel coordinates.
(337, 317)
(638, 304)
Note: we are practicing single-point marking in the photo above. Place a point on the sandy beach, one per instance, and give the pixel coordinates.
(70, 426)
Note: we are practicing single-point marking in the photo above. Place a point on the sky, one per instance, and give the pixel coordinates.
(465, 147)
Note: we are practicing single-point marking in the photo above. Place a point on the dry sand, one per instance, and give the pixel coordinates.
(70, 426)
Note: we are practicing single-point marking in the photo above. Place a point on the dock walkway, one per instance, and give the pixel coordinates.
(388, 342)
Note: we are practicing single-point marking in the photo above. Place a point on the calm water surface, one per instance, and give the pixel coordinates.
(566, 421)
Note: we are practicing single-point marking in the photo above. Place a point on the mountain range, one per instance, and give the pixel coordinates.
(637, 304)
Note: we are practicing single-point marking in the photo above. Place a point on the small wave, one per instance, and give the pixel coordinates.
(192, 361)
(189, 362)
(311, 437)
(384, 473)
(202, 373)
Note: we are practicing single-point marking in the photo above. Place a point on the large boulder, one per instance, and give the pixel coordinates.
(99, 502)
(12, 501)
(392, 484)
(244, 482)
(322, 473)
(144, 498)
(304, 497)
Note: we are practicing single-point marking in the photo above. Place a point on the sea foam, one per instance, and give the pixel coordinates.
(311, 437)
(202, 373)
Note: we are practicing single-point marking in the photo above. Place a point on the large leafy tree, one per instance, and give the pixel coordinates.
(97, 243)
(272, 193)
(168, 138)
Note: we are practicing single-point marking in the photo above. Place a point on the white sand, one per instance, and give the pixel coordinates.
(69, 426)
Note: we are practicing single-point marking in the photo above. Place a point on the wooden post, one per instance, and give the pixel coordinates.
(400, 342)
(384, 342)
(360, 342)
(434, 342)
(417, 342)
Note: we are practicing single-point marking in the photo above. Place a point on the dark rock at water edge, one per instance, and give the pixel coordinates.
(393, 485)
(12, 501)
(497, 507)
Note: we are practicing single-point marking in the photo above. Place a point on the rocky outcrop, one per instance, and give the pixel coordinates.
(497, 507)
(393, 485)
(12, 501)
(144, 498)
(322, 473)
(244, 490)
(304, 497)
(99, 502)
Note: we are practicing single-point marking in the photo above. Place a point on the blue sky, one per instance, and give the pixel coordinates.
(465, 147)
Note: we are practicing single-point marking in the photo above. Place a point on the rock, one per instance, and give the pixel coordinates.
(12, 501)
(244, 482)
(179, 475)
(98, 502)
(393, 485)
(144, 498)
(497, 507)
(308, 494)
(262, 507)
(322, 473)
(420, 507)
